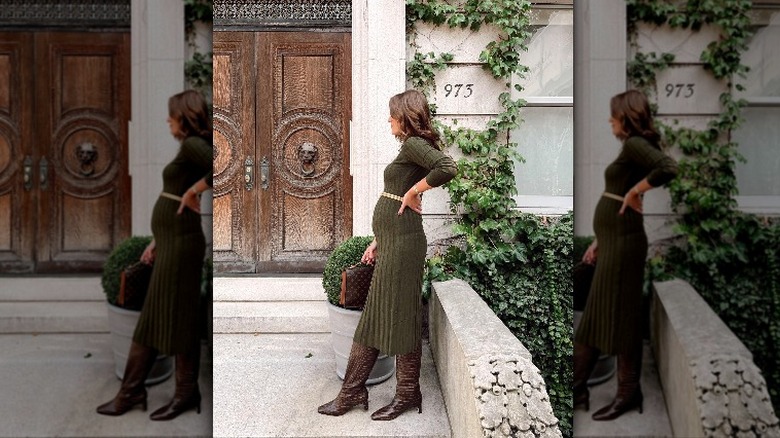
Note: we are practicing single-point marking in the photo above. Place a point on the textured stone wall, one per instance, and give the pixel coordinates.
(490, 385)
(711, 385)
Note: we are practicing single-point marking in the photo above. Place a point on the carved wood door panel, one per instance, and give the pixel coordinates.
(300, 189)
(77, 198)
(16, 153)
(235, 203)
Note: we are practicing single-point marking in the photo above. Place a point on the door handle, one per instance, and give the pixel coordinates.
(264, 171)
(27, 172)
(249, 176)
(44, 172)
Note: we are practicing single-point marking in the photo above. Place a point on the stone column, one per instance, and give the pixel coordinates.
(600, 66)
(378, 72)
(157, 55)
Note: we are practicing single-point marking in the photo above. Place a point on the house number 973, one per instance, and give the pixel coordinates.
(679, 90)
(458, 90)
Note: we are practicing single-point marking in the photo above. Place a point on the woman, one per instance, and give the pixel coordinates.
(612, 316)
(392, 317)
(169, 318)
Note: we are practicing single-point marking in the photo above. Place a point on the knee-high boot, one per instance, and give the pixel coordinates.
(629, 393)
(407, 389)
(585, 358)
(187, 393)
(353, 390)
(140, 360)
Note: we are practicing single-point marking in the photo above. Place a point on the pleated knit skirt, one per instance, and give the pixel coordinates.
(612, 318)
(169, 318)
(392, 317)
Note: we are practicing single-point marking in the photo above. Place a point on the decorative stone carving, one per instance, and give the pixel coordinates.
(308, 154)
(282, 12)
(733, 397)
(65, 13)
(512, 398)
(87, 155)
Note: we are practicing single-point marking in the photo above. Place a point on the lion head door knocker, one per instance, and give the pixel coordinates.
(87, 155)
(307, 154)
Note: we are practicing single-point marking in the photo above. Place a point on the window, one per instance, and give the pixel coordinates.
(759, 135)
(546, 137)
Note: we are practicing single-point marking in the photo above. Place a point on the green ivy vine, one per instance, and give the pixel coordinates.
(198, 70)
(730, 257)
(519, 263)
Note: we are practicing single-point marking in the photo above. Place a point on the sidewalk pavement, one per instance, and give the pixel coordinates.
(57, 373)
(653, 422)
(274, 365)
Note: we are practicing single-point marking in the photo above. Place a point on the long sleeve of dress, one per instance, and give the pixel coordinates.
(198, 151)
(660, 166)
(441, 167)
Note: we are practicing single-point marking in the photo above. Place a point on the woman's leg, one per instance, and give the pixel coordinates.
(353, 390)
(629, 393)
(585, 358)
(140, 360)
(407, 389)
(187, 394)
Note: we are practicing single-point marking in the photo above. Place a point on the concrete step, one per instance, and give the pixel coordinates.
(270, 305)
(52, 305)
(270, 385)
(51, 289)
(239, 289)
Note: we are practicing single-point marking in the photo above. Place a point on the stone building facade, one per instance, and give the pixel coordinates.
(351, 56)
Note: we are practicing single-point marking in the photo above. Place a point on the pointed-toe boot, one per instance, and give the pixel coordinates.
(140, 360)
(407, 389)
(353, 390)
(187, 393)
(629, 393)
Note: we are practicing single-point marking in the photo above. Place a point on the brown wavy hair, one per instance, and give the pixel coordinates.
(190, 109)
(410, 108)
(632, 110)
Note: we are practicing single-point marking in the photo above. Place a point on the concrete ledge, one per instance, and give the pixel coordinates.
(711, 385)
(490, 386)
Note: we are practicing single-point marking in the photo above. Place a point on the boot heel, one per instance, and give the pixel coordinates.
(144, 405)
(198, 408)
(365, 405)
(419, 409)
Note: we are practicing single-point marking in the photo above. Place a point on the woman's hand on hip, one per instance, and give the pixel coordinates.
(190, 200)
(591, 254)
(149, 253)
(411, 200)
(369, 255)
(632, 199)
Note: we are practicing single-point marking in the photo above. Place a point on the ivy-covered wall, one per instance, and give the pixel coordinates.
(467, 58)
(730, 257)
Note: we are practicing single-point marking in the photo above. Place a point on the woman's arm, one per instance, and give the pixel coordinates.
(190, 197)
(661, 169)
(199, 152)
(441, 169)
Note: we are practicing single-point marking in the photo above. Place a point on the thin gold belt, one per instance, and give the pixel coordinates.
(170, 196)
(612, 196)
(392, 196)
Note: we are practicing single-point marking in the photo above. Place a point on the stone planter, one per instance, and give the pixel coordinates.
(343, 323)
(121, 323)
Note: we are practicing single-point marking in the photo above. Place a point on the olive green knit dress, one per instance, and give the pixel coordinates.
(169, 318)
(392, 317)
(612, 318)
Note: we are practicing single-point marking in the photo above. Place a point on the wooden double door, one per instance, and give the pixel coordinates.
(282, 188)
(64, 185)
